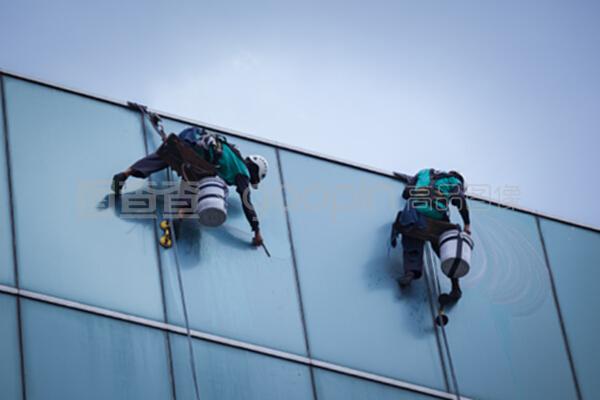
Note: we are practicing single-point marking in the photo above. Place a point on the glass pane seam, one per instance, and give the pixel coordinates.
(13, 231)
(9, 180)
(295, 267)
(226, 342)
(563, 328)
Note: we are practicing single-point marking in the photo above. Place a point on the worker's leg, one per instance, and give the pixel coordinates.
(412, 249)
(436, 229)
(140, 169)
(455, 293)
(147, 165)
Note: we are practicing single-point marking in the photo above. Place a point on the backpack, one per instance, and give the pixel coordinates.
(433, 191)
(212, 145)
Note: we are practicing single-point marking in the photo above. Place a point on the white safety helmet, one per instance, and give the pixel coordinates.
(263, 167)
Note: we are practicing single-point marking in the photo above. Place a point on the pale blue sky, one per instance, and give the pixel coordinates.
(507, 92)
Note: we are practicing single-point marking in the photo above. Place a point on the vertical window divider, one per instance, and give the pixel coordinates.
(13, 230)
(296, 274)
(558, 310)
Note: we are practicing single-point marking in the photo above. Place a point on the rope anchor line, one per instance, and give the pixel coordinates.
(170, 238)
(437, 294)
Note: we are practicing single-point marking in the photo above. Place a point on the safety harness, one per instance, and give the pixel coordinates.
(177, 153)
(213, 143)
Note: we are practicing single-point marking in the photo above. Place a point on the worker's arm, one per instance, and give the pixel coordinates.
(242, 185)
(460, 202)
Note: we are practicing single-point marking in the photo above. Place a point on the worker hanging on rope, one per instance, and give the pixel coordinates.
(196, 154)
(425, 217)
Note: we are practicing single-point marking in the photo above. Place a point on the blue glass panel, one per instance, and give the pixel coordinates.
(229, 373)
(72, 355)
(333, 386)
(574, 255)
(356, 315)
(10, 363)
(6, 251)
(233, 289)
(505, 333)
(65, 149)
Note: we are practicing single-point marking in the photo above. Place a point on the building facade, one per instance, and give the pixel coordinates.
(91, 307)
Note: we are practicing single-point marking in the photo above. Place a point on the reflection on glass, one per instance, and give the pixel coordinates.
(65, 149)
(573, 254)
(6, 250)
(232, 288)
(226, 373)
(356, 315)
(504, 333)
(72, 355)
(10, 363)
(334, 386)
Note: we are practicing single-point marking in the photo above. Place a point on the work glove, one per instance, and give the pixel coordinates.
(118, 182)
(467, 229)
(257, 240)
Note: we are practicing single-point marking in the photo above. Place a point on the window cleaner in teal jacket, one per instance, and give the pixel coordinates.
(229, 165)
(426, 216)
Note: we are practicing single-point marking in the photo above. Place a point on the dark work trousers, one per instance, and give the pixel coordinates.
(414, 237)
(152, 163)
(413, 252)
(178, 153)
(148, 165)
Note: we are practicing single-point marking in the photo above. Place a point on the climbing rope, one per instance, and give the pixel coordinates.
(437, 290)
(184, 305)
(173, 236)
(154, 118)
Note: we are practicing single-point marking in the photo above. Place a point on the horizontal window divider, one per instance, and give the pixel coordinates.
(205, 336)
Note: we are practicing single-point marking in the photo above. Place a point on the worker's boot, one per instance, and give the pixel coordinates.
(118, 182)
(407, 279)
(455, 293)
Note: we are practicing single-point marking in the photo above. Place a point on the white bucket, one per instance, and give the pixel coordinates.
(455, 253)
(212, 201)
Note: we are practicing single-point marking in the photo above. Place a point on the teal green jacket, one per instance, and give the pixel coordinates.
(230, 165)
(233, 170)
(446, 192)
